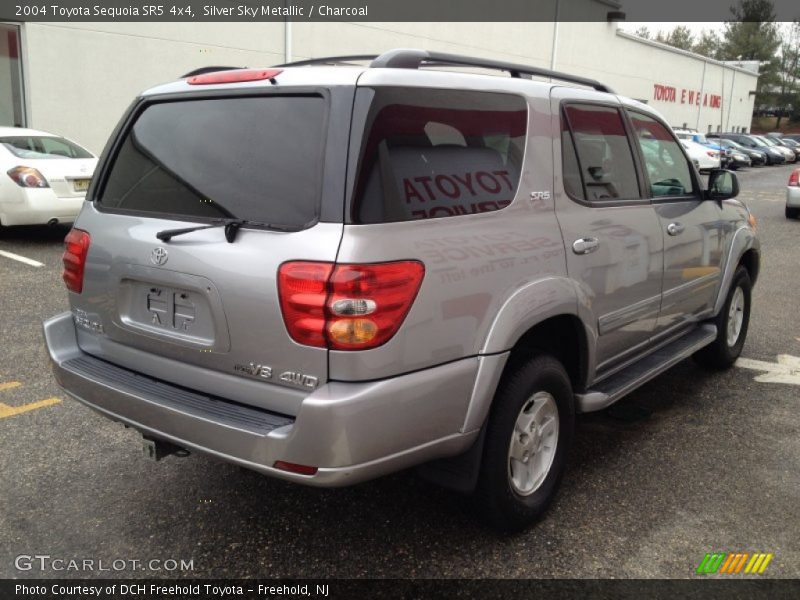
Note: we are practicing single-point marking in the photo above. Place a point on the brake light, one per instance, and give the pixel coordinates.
(234, 76)
(76, 247)
(27, 177)
(712, 154)
(794, 178)
(347, 307)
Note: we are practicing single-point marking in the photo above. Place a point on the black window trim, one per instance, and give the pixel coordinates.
(141, 103)
(694, 196)
(643, 199)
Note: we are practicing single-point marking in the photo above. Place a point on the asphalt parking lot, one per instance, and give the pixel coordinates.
(691, 463)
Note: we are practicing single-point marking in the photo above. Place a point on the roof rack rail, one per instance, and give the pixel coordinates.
(204, 70)
(329, 60)
(405, 58)
(413, 59)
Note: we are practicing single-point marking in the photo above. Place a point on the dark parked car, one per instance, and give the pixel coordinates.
(757, 157)
(783, 136)
(773, 155)
(739, 156)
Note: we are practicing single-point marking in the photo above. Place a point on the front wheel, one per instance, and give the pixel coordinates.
(792, 212)
(732, 323)
(528, 436)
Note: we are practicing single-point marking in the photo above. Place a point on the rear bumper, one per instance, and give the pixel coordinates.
(793, 197)
(39, 206)
(351, 432)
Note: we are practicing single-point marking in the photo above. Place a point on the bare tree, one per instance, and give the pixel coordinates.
(789, 70)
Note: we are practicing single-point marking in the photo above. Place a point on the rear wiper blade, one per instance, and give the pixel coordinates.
(231, 226)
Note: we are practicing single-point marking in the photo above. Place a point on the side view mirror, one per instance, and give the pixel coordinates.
(722, 185)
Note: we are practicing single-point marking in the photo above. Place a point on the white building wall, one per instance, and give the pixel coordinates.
(82, 76)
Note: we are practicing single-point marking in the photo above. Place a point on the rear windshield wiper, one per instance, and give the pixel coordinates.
(231, 226)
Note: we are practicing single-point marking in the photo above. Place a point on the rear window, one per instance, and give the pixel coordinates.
(40, 147)
(438, 153)
(253, 158)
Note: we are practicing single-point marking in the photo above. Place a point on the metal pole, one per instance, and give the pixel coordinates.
(702, 92)
(730, 100)
(555, 40)
(287, 41)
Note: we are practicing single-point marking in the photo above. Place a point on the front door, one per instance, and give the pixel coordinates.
(693, 229)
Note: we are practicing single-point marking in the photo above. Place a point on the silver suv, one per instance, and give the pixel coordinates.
(329, 273)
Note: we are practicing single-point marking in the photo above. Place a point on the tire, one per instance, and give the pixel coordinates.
(792, 212)
(727, 347)
(537, 393)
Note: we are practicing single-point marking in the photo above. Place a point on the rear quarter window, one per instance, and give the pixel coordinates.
(437, 153)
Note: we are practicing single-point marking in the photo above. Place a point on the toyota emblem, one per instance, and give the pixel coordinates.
(159, 256)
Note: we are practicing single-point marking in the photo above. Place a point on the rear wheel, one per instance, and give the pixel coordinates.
(792, 212)
(527, 438)
(732, 323)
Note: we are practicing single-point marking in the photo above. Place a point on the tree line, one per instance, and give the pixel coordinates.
(752, 34)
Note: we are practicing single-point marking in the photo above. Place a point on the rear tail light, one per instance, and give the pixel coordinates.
(234, 76)
(347, 307)
(712, 154)
(794, 178)
(76, 247)
(27, 177)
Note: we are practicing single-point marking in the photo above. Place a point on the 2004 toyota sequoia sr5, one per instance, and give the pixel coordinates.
(330, 273)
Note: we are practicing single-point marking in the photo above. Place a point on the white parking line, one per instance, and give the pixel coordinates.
(22, 259)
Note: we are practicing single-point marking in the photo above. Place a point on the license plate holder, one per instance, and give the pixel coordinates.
(81, 185)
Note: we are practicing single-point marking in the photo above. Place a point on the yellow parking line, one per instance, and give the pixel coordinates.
(9, 385)
(12, 411)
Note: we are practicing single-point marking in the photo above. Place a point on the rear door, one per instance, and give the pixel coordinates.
(200, 304)
(613, 237)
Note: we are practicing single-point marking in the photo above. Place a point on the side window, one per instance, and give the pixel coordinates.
(605, 161)
(666, 165)
(429, 153)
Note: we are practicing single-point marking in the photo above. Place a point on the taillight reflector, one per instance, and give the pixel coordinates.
(347, 307)
(294, 468)
(76, 247)
(794, 178)
(234, 76)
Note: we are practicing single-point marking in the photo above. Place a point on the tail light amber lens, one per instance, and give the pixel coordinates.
(347, 307)
(76, 247)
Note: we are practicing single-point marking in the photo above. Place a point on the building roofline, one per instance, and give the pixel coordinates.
(687, 53)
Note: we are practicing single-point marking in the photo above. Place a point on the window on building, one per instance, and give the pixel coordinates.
(12, 111)
(602, 155)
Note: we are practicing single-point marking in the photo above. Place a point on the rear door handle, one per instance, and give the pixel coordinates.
(675, 228)
(585, 245)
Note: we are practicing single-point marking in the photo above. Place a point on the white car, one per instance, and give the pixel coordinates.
(43, 177)
(704, 157)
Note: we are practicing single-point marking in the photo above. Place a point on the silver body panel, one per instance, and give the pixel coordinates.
(426, 393)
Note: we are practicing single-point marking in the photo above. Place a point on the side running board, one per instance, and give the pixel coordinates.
(610, 390)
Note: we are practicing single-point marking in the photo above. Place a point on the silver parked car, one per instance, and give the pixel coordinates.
(330, 273)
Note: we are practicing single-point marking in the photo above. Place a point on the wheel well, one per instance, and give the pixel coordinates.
(750, 261)
(563, 337)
